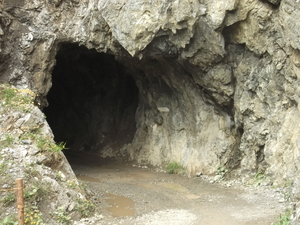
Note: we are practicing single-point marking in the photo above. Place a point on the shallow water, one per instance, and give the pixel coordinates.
(119, 205)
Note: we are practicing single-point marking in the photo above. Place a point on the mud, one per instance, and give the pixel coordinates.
(119, 205)
(128, 194)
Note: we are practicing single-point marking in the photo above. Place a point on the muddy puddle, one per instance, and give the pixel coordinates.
(130, 195)
(119, 205)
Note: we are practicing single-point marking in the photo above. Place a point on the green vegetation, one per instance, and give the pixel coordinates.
(20, 103)
(83, 186)
(47, 144)
(85, 207)
(259, 176)
(221, 171)
(32, 215)
(7, 141)
(35, 193)
(8, 221)
(287, 195)
(258, 179)
(35, 190)
(175, 168)
(288, 183)
(22, 99)
(3, 167)
(30, 171)
(9, 199)
(72, 184)
(61, 216)
(8, 94)
(284, 219)
(42, 142)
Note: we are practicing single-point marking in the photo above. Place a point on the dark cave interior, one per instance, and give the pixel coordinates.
(92, 102)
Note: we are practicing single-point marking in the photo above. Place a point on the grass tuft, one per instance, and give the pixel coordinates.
(284, 219)
(175, 168)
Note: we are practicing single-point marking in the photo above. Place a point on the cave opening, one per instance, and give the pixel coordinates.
(92, 101)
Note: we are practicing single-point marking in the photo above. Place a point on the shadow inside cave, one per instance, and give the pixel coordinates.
(92, 102)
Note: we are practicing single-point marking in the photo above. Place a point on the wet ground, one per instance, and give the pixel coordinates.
(129, 194)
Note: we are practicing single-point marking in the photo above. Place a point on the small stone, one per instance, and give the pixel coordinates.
(198, 174)
(282, 200)
(71, 206)
(33, 151)
(23, 152)
(26, 142)
(163, 109)
(218, 177)
(99, 217)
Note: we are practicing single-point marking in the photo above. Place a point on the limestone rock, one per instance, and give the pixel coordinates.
(217, 81)
(136, 23)
(232, 56)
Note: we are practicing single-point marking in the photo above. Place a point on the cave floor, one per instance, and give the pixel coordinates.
(127, 194)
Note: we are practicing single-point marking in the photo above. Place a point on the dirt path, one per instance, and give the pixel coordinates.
(139, 196)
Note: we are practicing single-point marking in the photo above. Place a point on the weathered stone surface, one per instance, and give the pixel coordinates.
(45, 174)
(217, 10)
(218, 81)
(163, 29)
(147, 19)
(204, 125)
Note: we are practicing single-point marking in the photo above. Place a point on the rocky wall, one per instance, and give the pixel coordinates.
(218, 80)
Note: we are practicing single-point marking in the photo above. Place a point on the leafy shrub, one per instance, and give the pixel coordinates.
(85, 207)
(175, 168)
(9, 199)
(284, 219)
(221, 171)
(8, 221)
(61, 216)
(33, 216)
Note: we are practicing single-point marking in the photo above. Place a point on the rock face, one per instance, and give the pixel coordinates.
(217, 81)
(27, 151)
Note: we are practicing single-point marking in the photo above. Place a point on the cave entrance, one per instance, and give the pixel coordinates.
(92, 102)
